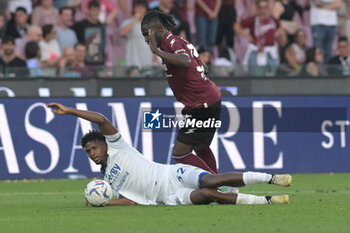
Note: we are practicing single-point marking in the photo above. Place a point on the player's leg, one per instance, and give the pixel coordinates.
(205, 136)
(188, 192)
(198, 139)
(206, 196)
(196, 179)
(243, 179)
(182, 153)
(205, 153)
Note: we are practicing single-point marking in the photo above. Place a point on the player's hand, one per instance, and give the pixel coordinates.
(152, 42)
(58, 108)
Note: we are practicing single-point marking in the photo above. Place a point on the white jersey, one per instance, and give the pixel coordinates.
(133, 176)
(145, 182)
(320, 16)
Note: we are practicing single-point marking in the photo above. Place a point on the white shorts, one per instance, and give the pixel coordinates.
(183, 180)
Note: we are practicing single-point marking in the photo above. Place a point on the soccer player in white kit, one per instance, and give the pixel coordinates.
(136, 180)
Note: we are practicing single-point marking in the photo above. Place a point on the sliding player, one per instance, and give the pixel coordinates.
(185, 73)
(136, 180)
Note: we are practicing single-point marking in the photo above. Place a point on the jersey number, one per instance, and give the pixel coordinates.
(195, 54)
(193, 50)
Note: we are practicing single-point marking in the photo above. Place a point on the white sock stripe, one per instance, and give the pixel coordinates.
(181, 156)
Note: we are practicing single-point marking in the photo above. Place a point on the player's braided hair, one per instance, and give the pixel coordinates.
(90, 136)
(155, 15)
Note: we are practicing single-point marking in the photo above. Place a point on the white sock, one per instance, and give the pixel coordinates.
(247, 199)
(250, 178)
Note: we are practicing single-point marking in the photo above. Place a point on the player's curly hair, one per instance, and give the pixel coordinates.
(92, 135)
(157, 16)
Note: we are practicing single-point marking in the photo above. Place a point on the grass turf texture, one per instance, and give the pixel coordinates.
(318, 203)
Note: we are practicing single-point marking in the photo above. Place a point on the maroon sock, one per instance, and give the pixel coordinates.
(193, 160)
(205, 153)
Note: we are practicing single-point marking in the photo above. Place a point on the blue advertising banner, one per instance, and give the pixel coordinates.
(273, 134)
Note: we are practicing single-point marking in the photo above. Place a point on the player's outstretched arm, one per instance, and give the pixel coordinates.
(103, 123)
(121, 201)
(180, 60)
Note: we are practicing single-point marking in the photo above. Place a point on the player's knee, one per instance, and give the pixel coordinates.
(202, 196)
(208, 181)
(208, 195)
(201, 147)
(181, 149)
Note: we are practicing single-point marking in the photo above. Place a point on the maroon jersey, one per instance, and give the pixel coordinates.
(189, 85)
(262, 31)
(228, 2)
(200, 12)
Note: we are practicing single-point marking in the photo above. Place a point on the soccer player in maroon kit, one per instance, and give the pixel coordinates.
(186, 75)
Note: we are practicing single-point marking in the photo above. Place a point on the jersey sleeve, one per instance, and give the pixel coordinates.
(177, 46)
(115, 142)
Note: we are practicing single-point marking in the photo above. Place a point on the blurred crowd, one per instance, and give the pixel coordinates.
(70, 38)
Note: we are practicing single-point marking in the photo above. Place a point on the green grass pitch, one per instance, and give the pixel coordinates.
(318, 203)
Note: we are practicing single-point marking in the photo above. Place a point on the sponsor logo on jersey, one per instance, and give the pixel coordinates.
(113, 176)
(122, 181)
(190, 131)
(114, 173)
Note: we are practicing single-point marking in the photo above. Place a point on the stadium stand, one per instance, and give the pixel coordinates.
(105, 44)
